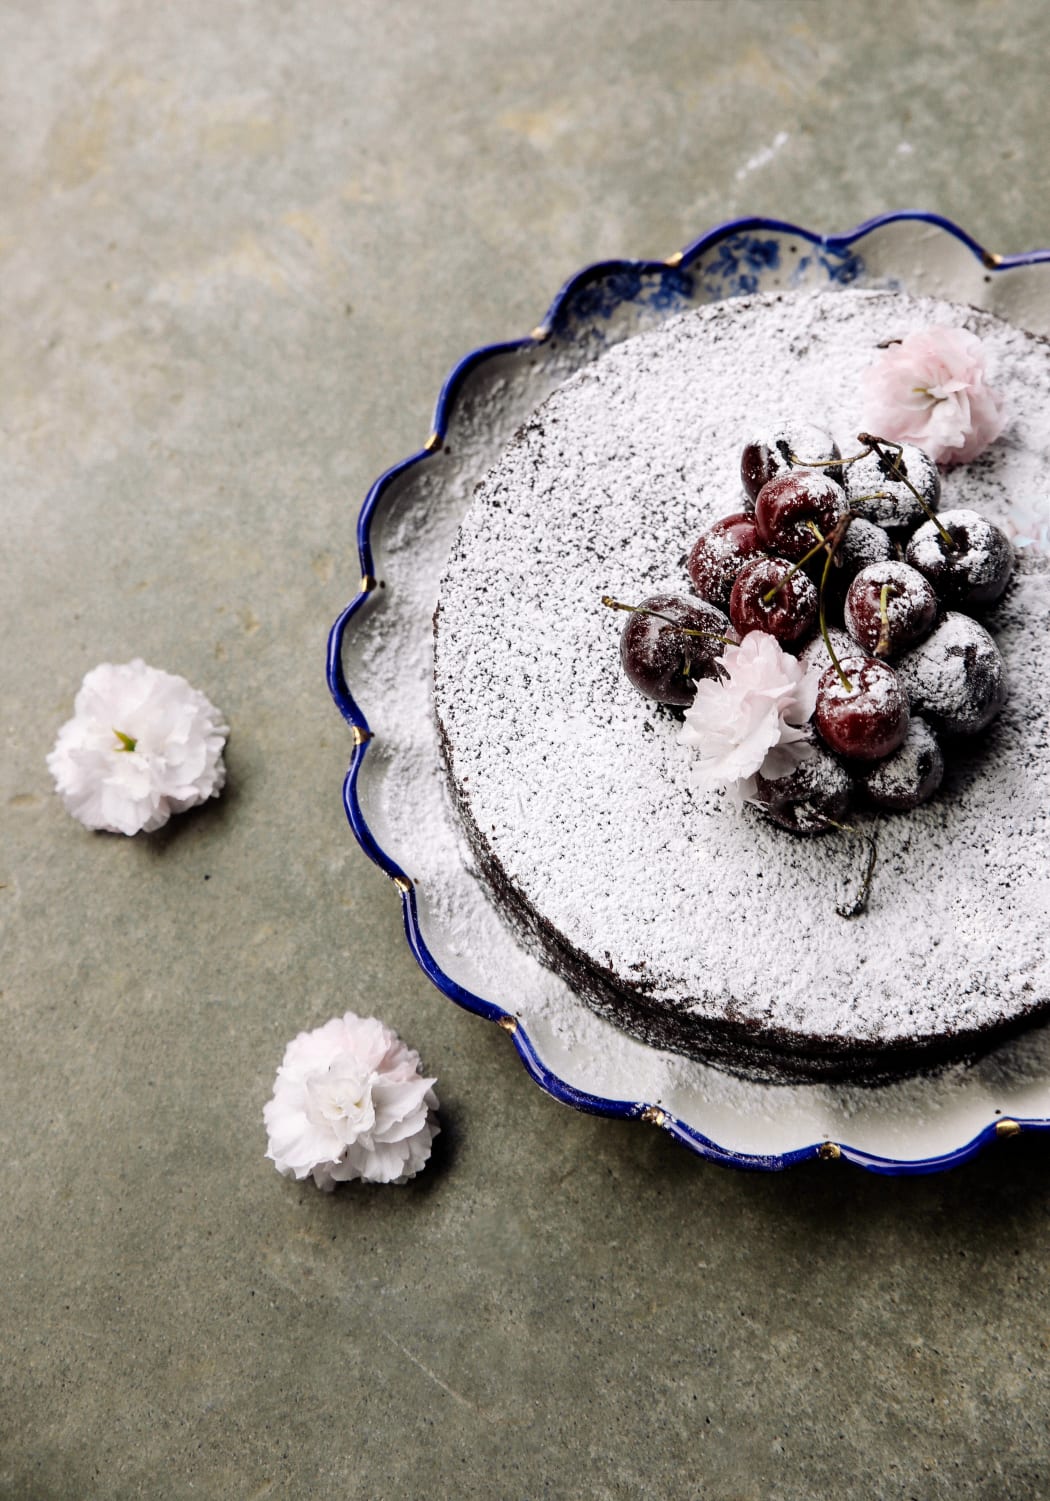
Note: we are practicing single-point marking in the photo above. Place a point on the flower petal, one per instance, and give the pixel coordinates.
(931, 389)
(142, 744)
(735, 722)
(349, 1102)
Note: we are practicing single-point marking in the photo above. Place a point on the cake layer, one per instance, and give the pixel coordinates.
(693, 924)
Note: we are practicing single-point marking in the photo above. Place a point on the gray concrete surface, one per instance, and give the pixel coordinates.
(240, 245)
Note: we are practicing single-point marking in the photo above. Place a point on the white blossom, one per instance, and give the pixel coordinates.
(349, 1102)
(142, 745)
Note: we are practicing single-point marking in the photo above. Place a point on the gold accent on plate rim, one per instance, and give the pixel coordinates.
(508, 1023)
(829, 1151)
(654, 1116)
(539, 333)
(1006, 1128)
(402, 883)
(433, 443)
(368, 583)
(674, 261)
(991, 259)
(361, 737)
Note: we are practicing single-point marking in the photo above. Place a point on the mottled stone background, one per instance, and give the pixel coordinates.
(240, 244)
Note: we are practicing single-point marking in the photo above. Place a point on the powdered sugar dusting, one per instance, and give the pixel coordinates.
(986, 546)
(910, 774)
(957, 676)
(581, 787)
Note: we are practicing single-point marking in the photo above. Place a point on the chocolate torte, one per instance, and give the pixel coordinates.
(691, 923)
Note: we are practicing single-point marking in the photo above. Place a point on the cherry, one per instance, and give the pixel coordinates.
(811, 798)
(719, 554)
(815, 657)
(975, 569)
(659, 658)
(889, 607)
(955, 677)
(791, 611)
(878, 486)
(911, 775)
(867, 720)
(783, 449)
(863, 543)
(791, 505)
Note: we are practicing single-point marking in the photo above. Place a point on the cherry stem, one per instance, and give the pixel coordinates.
(832, 542)
(687, 630)
(878, 445)
(882, 645)
(822, 620)
(875, 445)
(860, 902)
(771, 594)
(823, 463)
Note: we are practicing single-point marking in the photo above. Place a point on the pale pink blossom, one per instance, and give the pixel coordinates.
(931, 389)
(751, 719)
(349, 1102)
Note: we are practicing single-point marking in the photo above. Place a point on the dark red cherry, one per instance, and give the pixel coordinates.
(974, 570)
(789, 615)
(660, 658)
(719, 554)
(911, 775)
(783, 449)
(955, 677)
(790, 506)
(867, 720)
(889, 607)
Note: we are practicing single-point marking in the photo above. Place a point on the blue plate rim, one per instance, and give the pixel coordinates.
(688, 1136)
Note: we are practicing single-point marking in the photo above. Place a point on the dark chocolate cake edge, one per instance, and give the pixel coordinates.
(776, 1056)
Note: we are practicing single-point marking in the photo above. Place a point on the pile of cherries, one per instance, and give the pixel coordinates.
(847, 563)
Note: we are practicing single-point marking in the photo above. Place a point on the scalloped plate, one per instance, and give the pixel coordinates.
(394, 793)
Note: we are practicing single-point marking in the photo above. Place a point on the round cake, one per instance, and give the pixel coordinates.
(690, 922)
